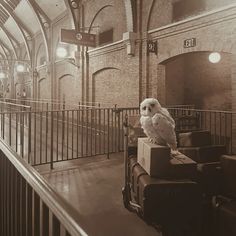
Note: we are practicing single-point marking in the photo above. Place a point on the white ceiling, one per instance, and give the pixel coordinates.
(24, 12)
(52, 8)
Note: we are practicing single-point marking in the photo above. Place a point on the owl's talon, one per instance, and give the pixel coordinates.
(175, 153)
(150, 140)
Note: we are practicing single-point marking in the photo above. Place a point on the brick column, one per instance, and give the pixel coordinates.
(161, 84)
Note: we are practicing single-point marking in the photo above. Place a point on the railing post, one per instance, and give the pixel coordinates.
(9, 129)
(29, 137)
(51, 146)
(47, 117)
(22, 133)
(108, 133)
(119, 127)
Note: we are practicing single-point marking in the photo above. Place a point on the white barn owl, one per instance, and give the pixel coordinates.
(158, 124)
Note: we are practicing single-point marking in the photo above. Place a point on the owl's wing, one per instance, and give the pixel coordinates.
(166, 113)
(165, 129)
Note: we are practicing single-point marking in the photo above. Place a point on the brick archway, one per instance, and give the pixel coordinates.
(161, 70)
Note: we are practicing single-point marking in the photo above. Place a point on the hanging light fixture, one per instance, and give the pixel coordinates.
(20, 68)
(2, 75)
(61, 52)
(214, 57)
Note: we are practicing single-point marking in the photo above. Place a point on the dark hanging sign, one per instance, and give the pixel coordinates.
(152, 46)
(189, 43)
(78, 38)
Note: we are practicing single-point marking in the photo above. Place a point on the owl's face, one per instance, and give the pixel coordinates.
(149, 107)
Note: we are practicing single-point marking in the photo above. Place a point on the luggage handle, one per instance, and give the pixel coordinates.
(217, 201)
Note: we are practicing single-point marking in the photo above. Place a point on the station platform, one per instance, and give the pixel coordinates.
(93, 186)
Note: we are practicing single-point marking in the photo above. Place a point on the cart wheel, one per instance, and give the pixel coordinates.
(125, 198)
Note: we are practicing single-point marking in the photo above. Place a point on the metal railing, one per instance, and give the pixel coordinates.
(49, 104)
(221, 124)
(46, 137)
(28, 205)
(13, 107)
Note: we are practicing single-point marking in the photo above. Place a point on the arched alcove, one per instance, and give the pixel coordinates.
(110, 87)
(191, 78)
(111, 16)
(40, 56)
(66, 88)
(43, 89)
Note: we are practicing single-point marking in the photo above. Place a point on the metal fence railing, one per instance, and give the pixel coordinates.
(28, 205)
(221, 124)
(49, 104)
(46, 137)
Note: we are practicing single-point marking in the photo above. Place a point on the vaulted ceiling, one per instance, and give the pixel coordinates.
(21, 19)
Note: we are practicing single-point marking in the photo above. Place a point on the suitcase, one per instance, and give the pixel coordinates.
(168, 201)
(225, 216)
(182, 166)
(209, 177)
(228, 164)
(225, 204)
(175, 204)
(194, 138)
(204, 154)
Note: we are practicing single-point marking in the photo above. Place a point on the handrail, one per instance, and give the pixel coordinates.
(60, 207)
(201, 110)
(180, 108)
(14, 104)
(54, 101)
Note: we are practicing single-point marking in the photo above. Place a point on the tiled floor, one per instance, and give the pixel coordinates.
(93, 187)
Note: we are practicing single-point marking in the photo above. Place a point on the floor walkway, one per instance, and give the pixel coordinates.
(93, 187)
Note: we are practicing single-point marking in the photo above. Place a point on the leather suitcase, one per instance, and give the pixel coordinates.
(209, 177)
(182, 166)
(204, 154)
(225, 216)
(228, 164)
(225, 204)
(164, 199)
(174, 204)
(194, 138)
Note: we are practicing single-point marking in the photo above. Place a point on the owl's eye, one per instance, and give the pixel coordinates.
(144, 108)
(152, 105)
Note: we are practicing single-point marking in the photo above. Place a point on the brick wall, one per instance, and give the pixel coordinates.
(113, 76)
(192, 79)
(175, 81)
(109, 69)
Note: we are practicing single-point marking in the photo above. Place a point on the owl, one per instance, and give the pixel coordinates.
(158, 124)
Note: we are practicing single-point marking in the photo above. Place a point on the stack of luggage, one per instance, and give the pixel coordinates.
(197, 145)
(224, 204)
(178, 192)
(166, 189)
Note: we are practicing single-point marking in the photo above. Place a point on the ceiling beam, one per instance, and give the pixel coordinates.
(24, 31)
(39, 14)
(74, 6)
(10, 41)
(2, 45)
(15, 41)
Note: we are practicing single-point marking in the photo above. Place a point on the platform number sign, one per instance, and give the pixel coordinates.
(152, 46)
(189, 43)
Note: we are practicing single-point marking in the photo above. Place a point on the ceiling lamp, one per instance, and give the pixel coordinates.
(214, 57)
(20, 68)
(61, 52)
(2, 75)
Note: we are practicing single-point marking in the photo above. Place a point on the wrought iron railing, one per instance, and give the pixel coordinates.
(28, 205)
(46, 137)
